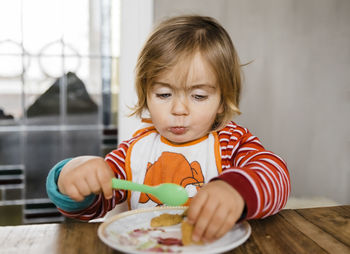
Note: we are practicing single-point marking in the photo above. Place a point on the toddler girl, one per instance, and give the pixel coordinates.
(188, 82)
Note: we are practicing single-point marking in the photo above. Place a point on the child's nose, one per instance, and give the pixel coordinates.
(179, 106)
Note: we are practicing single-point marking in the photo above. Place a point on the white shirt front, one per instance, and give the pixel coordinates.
(153, 160)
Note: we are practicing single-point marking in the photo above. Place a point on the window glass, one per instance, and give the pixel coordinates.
(58, 91)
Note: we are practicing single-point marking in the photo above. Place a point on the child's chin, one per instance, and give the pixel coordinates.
(180, 140)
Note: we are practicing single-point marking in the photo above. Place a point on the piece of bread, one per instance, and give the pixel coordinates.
(166, 219)
(186, 230)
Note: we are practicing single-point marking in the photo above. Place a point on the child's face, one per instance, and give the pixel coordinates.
(184, 107)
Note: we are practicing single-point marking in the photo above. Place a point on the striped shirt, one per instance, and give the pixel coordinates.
(260, 176)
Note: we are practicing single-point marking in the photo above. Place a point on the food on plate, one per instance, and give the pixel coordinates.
(166, 219)
(186, 231)
(169, 241)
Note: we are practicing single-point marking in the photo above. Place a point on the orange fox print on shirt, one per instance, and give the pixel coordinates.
(173, 168)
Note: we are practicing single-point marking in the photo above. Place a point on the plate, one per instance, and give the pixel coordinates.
(131, 232)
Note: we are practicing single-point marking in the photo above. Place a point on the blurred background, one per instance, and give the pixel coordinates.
(66, 82)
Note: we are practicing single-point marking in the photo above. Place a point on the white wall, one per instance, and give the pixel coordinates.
(296, 96)
(136, 24)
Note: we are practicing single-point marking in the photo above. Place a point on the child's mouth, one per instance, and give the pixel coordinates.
(178, 130)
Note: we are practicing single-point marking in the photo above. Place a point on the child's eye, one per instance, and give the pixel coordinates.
(163, 95)
(199, 97)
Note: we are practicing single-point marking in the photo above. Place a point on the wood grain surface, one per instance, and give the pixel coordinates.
(314, 230)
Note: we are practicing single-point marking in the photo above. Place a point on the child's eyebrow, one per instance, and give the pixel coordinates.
(191, 87)
(161, 83)
(203, 86)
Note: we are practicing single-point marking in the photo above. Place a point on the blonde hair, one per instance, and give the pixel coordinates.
(182, 36)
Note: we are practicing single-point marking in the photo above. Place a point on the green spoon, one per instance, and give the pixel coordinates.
(168, 193)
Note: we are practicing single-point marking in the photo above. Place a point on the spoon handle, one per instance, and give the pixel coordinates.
(128, 185)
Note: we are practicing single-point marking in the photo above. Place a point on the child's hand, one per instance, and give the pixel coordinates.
(85, 175)
(214, 211)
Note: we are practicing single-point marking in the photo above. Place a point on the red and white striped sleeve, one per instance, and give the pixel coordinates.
(116, 160)
(260, 176)
(100, 206)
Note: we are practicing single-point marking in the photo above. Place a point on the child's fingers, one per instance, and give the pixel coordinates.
(94, 184)
(105, 180)
(196, 206)
(83, 187)
(229, 223)
(203, 221)
(216, 223)
(202, 224)
(74, 193)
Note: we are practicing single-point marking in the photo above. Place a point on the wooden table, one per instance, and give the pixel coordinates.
(312, 230)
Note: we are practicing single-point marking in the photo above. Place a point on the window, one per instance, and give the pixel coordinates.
(58, 92)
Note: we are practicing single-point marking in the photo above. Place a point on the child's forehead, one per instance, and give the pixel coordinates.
(194, 68)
